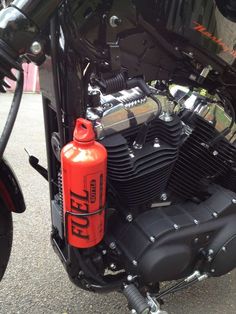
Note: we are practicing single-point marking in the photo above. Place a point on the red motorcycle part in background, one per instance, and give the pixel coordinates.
(84, 171)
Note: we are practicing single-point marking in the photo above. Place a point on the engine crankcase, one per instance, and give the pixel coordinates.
(169, 243)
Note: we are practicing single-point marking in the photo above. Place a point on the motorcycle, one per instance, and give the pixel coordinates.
(139, 117)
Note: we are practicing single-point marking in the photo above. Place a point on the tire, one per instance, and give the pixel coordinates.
(6, 235)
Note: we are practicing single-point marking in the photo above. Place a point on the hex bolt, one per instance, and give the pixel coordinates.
(152, 239)
(113, 266)
(196, 240)
(215, 215)
(164, 197)
(224, 249)
(130, 278)
(129, 218)
(36, 48)
(196, 222)
(135, 263)
(112, 245)
(209, 258)
(156, 143)
(176, 227)
(115, 21)
(210, 252)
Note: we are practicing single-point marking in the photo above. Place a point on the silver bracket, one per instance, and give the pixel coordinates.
(154, 305)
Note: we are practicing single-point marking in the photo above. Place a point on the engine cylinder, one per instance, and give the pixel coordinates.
(141, 175)
(200, 163)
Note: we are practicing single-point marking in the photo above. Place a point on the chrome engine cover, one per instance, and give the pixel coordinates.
(120, 111)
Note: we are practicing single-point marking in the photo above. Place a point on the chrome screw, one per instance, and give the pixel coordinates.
(176, 227)
(215, 215)
(115, 21)
(224, 249)
(36, 48)
(152, 239)
(130, 278)
(112, 245)
(135, 263)
(156, 143)
(129, 218)
(164, 197)
(113, 266)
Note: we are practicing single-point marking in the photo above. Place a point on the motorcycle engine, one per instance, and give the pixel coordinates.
(166, 183)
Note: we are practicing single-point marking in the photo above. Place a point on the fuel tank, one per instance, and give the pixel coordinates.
(206, 24)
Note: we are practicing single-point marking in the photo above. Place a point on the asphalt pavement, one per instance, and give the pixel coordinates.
(35, 281)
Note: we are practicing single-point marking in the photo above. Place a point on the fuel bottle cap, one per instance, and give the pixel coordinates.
(83, 131)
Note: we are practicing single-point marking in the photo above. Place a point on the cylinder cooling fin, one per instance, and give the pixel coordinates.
(141, 175)
(200, 163)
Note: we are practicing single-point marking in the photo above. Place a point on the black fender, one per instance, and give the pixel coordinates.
(10, 191)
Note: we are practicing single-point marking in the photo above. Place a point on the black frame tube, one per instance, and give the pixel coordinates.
(6, 133)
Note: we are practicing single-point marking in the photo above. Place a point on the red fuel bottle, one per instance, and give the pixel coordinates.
(84, 167)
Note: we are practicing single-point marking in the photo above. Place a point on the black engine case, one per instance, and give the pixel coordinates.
(168, 243)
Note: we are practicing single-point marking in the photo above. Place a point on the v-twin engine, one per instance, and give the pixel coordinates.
(170, 213)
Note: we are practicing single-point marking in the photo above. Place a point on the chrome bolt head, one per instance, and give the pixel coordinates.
(152, 239)
(210, 252)
(36, 48)
(176, 227)
(215, 215)
(112, 245)
(224, 249)
(113, 266)
(135, 263)
(130, 278)
(129, 218)
(164, 197)
(115, 21)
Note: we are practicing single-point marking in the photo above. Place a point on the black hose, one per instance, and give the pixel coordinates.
(54, 53)
(6, 133)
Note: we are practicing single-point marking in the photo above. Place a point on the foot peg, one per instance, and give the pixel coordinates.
(136, 301)
(140, 304)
